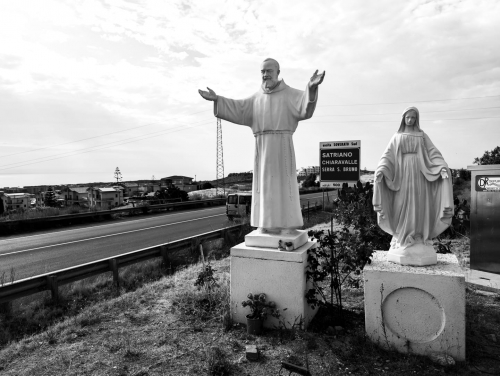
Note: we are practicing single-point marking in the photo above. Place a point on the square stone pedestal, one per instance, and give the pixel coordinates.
(416, 309)
(270, 240)
(280, 275)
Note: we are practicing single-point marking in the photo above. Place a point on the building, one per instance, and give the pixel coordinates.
(133, 189)
(176, 180)
(14, 190)
(14, 201)
(36, 189)
(184, 183)
(75, 195)
(105, 198)
(152, 187)
(306, 171)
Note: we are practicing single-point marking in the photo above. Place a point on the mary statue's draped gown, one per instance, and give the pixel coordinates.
(412, 195)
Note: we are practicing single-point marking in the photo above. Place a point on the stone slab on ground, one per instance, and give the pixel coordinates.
(279, 275)
(483, 280)
(416, 309)
(251, 352)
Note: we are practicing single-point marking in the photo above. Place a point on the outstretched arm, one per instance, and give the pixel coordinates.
(208, 95)
(314, 82)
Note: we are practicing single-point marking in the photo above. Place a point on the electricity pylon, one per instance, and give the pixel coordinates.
(220, 188)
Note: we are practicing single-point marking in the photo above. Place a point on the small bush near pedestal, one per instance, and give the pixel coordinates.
(343, 253)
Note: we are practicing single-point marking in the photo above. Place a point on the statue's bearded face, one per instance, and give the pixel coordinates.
(269, 72)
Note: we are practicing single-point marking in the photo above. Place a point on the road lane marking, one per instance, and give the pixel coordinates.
(107, 236)
(121, 223)
(109, 224)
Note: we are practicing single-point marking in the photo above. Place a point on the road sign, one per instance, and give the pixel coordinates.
(339, 162)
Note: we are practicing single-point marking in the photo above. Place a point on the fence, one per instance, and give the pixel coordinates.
(7, 226)
(52, 281)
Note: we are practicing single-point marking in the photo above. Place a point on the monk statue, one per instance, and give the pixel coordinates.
(272, 113)
(413, 193)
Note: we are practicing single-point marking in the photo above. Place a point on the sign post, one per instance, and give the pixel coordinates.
(339, 163)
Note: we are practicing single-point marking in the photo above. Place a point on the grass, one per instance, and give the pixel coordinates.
(169, 327)
(35, 313)
(161, 324)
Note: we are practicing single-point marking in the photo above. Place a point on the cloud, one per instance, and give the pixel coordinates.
(106, 65)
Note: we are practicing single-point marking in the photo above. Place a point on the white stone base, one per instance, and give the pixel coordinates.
(271, 240)
(280, 275)
(483, 280)
(419, 310)
(418, 254)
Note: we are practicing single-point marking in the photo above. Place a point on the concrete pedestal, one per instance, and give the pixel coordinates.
(280, 275)
(419, 310)
(270, 240)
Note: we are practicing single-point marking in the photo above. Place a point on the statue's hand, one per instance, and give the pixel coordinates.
(316, 79)
(208, 95)
(444, 173)
(378, 177)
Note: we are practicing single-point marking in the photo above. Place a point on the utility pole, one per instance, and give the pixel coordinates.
(220, 188)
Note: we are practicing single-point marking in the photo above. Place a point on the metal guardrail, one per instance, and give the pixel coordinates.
(51, 281)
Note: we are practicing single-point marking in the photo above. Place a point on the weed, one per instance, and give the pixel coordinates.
(218, 363)
(206, 278)
(88, 318)
(12, 274)
(4, 336)
(130, 352)
(51, 336)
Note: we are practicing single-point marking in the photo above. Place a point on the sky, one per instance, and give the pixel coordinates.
(88, 86)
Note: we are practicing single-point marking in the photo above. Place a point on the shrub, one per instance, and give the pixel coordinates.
(331, 265)
(341, 254)
(259, 308)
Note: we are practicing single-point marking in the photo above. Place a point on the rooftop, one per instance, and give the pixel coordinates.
(79, 189)
(107, 189)
(177, 177)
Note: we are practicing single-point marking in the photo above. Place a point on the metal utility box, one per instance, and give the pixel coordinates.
(485, 218)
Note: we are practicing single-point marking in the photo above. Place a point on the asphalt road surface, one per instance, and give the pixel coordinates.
(48, 251)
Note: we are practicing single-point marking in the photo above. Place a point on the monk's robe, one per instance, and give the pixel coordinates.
(273, 117)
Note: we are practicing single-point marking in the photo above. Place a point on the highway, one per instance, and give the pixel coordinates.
(47, 251)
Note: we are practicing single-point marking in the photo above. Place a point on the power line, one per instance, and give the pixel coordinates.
(154, 134)
(391, 121)
(102, 135)
(94, 148)
(399, 113)
(333, 105)
(422, 101)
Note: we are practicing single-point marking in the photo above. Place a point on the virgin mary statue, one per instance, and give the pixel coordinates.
(413, 193)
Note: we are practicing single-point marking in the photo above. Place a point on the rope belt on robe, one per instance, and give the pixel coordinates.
(257, 157)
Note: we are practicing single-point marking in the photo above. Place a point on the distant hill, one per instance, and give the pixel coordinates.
(246, 177)
(235, 178)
